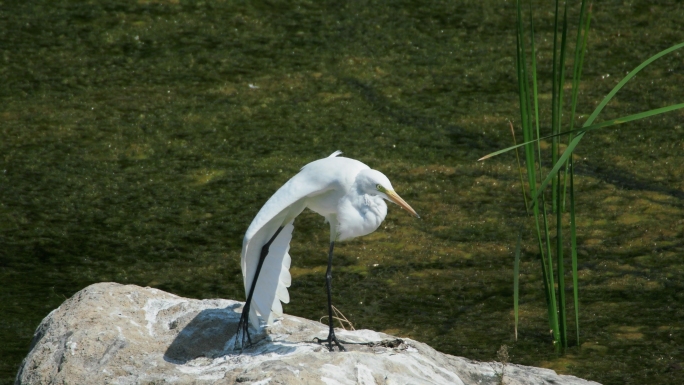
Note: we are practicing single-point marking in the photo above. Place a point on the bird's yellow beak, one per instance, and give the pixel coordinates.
(391, 194)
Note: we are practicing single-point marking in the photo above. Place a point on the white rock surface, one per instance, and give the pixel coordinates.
(114, 334)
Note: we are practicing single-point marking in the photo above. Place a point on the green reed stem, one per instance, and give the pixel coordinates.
(516, 284)
(573, 249)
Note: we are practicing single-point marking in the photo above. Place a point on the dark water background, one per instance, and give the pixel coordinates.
(139, 138)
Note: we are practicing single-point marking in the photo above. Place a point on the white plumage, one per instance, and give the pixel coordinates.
(349, 194)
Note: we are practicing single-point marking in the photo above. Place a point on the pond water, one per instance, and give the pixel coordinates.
(139, 138)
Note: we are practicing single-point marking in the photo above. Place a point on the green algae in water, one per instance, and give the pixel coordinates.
(140, 138)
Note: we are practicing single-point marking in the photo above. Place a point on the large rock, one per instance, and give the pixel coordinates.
(114, 334)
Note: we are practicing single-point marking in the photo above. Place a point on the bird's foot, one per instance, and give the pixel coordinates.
(242, 337)
(330, 340)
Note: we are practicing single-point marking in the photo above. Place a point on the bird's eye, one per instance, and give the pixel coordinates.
(379, 188)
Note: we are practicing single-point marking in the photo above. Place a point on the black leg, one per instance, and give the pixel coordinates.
(328, 283)
(242, 334)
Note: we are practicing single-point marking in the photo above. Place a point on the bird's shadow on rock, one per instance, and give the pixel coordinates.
(211, 334)
(204, 335)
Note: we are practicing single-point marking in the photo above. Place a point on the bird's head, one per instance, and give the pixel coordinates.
(374, 182)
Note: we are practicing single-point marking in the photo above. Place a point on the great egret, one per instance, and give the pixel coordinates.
(346, 192)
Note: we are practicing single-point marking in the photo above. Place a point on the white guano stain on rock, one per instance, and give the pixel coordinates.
(153, 307)
(72, 347)
(364, 376)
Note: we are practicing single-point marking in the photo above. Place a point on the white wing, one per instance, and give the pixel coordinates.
(279, 210)
(274, 278)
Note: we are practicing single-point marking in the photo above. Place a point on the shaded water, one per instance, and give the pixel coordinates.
(138, 140)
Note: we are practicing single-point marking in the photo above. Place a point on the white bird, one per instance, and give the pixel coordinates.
(346, 192)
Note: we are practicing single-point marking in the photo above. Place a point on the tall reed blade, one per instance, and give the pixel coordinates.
(580, 49)
(517, 157)
(516, 276)
(530, 162)
(535, 93)
(549, 284)
(555, 112)
(560, 266)
(573, 249)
